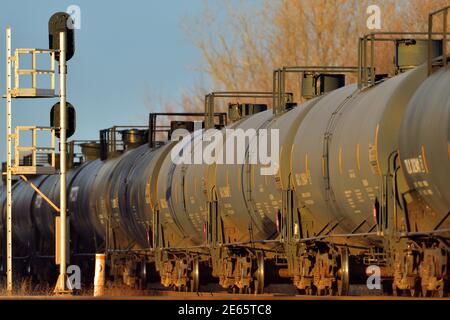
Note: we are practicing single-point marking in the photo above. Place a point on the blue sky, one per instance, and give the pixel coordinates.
(125, 51)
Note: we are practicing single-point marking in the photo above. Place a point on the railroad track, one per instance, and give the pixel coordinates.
(172, 295)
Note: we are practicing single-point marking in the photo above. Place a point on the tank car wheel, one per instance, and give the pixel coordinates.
(258, 283)
(386, 285)
(244, 290)
(306, 292)
(195, 275)
(255, 287)
(439, 293)
(413, 292)
(142, 282)
(395, 291)
(399, 292)
(343, 281)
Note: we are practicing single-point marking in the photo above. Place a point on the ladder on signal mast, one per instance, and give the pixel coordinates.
(34, 159)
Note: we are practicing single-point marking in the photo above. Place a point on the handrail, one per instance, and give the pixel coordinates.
(35, 150)
(210, 98)
(33, 71)
(444, 33)
(279, 80)
(364, 65)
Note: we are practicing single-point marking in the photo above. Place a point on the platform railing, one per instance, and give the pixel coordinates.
(444, 11)
(34, 91)
(35, 151)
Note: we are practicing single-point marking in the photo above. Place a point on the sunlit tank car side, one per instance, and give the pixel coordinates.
(179, 229)
(342, 149)
(266, 190)
(108, 196)
(425, 154)
(141, 195)
(241, 223)
(198, 180)
(205, 183)
(101, 204)
(117, 187)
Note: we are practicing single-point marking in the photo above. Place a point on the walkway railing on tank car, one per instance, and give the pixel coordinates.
(210, 100)
(444, 11)
(280, 97)
(111, 143)
(155, 128)
(77, 151)
(366, 65)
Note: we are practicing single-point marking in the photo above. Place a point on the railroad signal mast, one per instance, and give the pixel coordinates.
(41, 160)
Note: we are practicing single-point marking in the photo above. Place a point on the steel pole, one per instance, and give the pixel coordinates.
(444, 40)
(9, 253)
(430, 52)
(61, 286)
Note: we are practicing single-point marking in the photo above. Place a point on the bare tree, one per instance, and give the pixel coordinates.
(242, 44)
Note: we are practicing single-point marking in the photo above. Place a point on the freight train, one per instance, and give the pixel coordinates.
(363, 180)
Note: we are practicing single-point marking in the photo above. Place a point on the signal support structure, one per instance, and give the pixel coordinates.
(42, 158)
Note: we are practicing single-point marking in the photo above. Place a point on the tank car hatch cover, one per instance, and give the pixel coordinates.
(413, 52)
(314, 85)
(237, 111)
